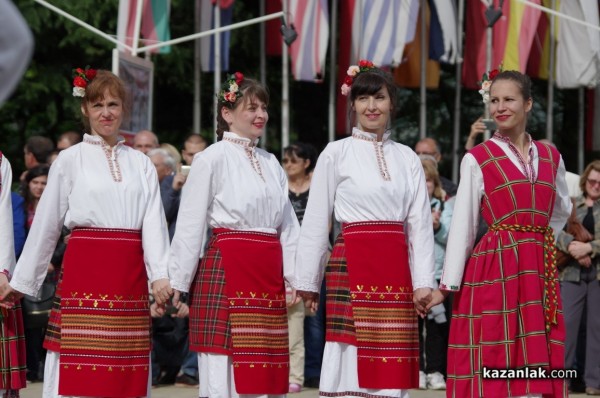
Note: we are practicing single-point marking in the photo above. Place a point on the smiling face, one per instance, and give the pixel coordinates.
(373, 111)
(105, 116)
(508, 107)
(293, 165)
(592, 185)
(248, 119)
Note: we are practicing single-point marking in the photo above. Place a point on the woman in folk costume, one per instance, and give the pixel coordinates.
(507, 312)
(238, 317)
(382, 263)
(12, 337)
(98, 337)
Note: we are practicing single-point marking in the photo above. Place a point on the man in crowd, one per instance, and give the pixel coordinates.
(145, 141)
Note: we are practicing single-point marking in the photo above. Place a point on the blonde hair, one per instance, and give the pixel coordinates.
(431, 172)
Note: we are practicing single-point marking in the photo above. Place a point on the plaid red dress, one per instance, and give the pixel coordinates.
(498, 318)
(238, 308)
(100, 323)
(12, 343)
(369, 304)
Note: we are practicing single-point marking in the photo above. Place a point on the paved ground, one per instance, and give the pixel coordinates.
(34, 390)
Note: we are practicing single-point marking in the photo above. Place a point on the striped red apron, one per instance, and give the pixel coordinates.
(100, 323)
(238, 308)
(370, 303)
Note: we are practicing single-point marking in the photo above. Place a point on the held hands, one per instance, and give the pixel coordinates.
(421, 298)
(162, 291)
(311, 300)
(8, 295)
(437, 297)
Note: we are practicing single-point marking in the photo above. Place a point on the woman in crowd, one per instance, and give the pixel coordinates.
(12, 338)
(433, 344)
(299, 162)
(506, 313)
(382, 263)
(35, 183)
(99, 336)
(580, 288)
(238, 321)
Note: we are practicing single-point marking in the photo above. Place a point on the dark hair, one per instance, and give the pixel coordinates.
(522, 80)
(593, 165)
(250, 89)
(40, 147)
(303, 151)
(370, 82)
(105, 80)
(34, 172)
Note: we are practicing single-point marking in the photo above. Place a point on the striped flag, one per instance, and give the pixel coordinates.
(381, 28)
(154, 25)
(443, 35)
(311, 21)
(578, 47)
(539, 58)
(522, 29)
(207, 44)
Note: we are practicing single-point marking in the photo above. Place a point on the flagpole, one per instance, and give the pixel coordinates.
(423, 100)
(217, 59)
(197, 73)
(332, 67)
(550, 102)
(285, 134)
(457, 95)
(263, 63)
(138, 26)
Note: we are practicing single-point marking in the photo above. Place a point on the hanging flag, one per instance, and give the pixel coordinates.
(310, 18)
(538, 65)
(154, 26)
(408, 73)
(381, 28)
(443, 31)
(207, 44)
(578, 46)
(522, 28)
(274, 42)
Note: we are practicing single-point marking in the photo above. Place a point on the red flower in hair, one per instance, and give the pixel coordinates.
(239, 77)
(493, 73)
(90, 74)
(229, 96)
(79, 82)
(348, 80)
(353, 71)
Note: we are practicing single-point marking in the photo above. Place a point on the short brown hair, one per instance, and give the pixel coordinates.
(105, 80)
(594, 165)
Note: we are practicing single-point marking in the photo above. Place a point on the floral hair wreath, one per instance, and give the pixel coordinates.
(230, 90)
(353, 71)
(486, 83)
(81, 78)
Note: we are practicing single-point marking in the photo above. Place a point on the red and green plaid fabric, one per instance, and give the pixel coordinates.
(101, 327)
(498, 318)
(12, 345)
(369, 304)
(238, 308)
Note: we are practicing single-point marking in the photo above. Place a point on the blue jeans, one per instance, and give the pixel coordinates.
(314, 339)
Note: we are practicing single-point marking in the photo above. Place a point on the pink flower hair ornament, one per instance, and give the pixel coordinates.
(353, 71)
(486, 83)
(230, 90)
(81, 78)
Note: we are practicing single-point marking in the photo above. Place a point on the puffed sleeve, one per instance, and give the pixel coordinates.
(289, 230)
(44, 233)
(7, 243)
(155, 236)
(188, 243)
(419, 230)
(465, 220)
(562, 201)
(314, 233)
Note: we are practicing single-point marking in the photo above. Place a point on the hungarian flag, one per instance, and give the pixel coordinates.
(154, 25)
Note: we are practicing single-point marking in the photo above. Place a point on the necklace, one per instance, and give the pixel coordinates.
(299, 185)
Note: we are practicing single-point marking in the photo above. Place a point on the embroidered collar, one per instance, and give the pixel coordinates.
(242, 141)
(97, 140)
(365, 136)
(526, 167)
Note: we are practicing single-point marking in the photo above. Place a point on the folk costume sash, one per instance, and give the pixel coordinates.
(101, 327)
(382, 310)
(257, 313)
